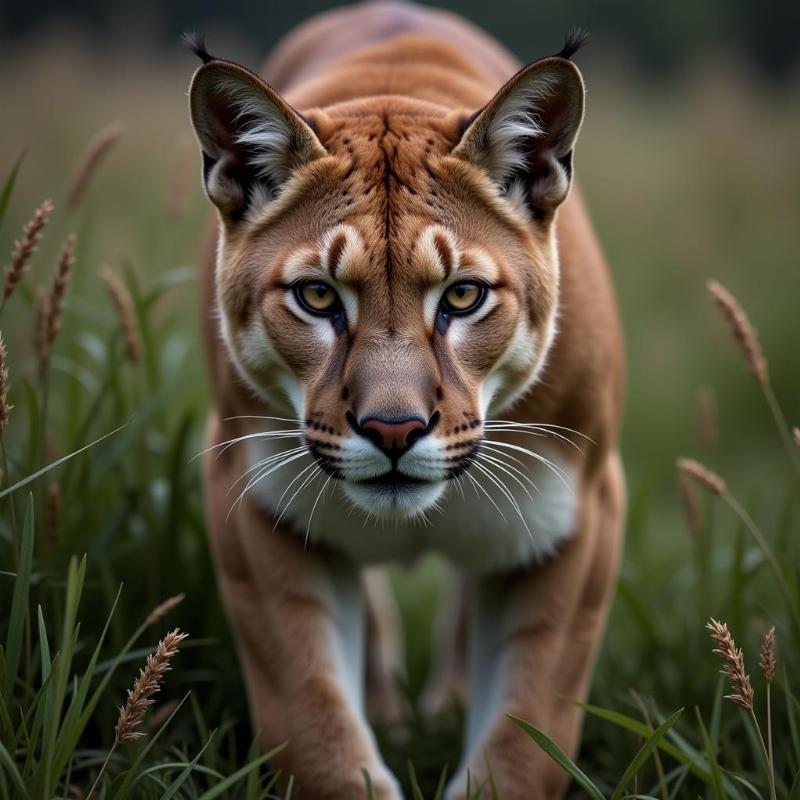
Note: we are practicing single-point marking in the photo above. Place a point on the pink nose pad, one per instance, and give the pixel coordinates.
(393, 434)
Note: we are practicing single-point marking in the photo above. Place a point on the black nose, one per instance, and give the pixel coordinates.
(394, 436)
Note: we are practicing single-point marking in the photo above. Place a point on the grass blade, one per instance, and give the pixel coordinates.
(232, 780)
(716, 778)
(181, 779)
(560, 757)
(8, 763)
(57, 462)
(644, 753)
(19, 602)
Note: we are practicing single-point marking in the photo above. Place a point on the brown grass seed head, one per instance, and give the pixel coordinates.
(732, 665)
(796, 435)
(90, 160)
(140, 696)
(767, 659)
(742, 329)
(124, 308)
(162, 609)
(58, 291)
(5, 407)
(705, 477)
(25, 247)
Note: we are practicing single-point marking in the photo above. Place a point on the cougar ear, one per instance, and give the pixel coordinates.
(251, 139)
(524, 137)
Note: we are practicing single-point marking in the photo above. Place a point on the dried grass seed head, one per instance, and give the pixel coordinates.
(25, 247)
(704, 476)
(146, 685)
(743, 331)
(732, 665)
(90, 160)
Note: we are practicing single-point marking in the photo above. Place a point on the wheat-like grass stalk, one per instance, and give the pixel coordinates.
(733, 668)
(5, 406)
(796, 436)
(732, 665)
(123, 305)
(140, 696)
(743, 331)
(162, 609)
(767, 661)
(58, 290)
(24, 248)
(704, 476)
(745, 336)
(90, 160)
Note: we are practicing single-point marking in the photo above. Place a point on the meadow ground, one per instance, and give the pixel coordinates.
(687, 182)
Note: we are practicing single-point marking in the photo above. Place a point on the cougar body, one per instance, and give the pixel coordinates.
(413, 346)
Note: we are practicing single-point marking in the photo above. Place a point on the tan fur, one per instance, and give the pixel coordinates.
(393, 189)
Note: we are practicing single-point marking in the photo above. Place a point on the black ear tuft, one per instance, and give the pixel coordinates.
(196, 42)
(576, 39)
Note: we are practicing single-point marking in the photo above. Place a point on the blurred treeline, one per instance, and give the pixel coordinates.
(655, 38)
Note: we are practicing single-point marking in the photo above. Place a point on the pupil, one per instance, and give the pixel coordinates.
(461, 291)
(321, 291)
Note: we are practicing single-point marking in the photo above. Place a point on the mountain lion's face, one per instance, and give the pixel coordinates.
(387, 271)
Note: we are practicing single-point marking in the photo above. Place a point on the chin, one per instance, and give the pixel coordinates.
(395, 500)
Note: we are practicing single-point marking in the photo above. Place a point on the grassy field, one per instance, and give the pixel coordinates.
(687, 182)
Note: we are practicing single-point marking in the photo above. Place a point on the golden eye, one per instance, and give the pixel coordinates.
(462, 297)
(317, 297)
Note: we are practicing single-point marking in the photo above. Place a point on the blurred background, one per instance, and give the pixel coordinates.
(689, 162)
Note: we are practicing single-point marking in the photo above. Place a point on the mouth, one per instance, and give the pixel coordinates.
(394, 495)
(395, 479)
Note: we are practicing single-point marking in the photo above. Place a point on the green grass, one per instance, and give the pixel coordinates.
(684, 184)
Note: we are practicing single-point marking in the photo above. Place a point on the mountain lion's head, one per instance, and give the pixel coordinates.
(387, 269)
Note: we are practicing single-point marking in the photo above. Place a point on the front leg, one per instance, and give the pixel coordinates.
(533, 641)
(299, 619)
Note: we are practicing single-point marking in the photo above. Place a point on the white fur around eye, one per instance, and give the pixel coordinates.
(321, 326)
(434, 297)
(459, 327)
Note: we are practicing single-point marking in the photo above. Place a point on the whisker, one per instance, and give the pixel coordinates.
(263, 474)
(475, 483)
(300, 488)
(556, 470)
(287, 434)
(313, 509)
(509, 470)
(533, 432)
(265, 462)
(543, 425)
(504, 491)
(486, 445)
(275, 419)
